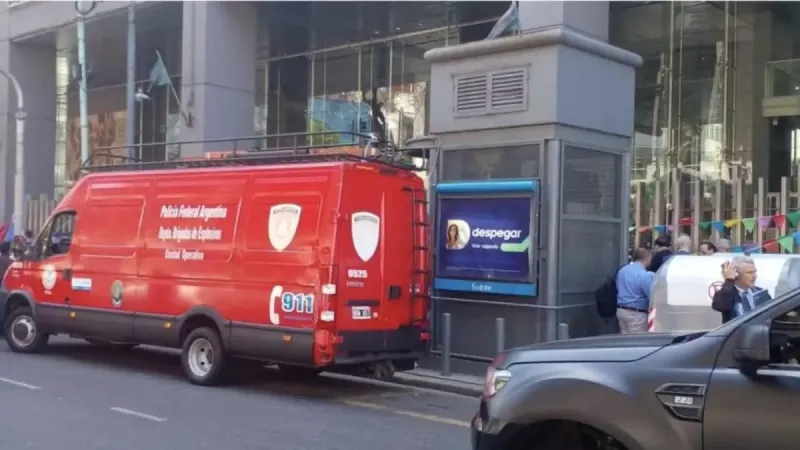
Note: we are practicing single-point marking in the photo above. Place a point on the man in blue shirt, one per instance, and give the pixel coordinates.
(633, 293)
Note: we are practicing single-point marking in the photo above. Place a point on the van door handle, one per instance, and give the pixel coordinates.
(67, 274)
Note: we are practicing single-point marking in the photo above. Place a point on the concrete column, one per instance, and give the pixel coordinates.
(35, 68)
(219, 69)
(586, 17)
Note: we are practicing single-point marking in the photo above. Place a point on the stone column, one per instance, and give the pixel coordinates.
(35, 68)
(219, 70)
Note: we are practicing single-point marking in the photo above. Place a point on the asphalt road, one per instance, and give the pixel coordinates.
(79, 397)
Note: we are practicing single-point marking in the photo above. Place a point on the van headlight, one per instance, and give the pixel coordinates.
(496, 380)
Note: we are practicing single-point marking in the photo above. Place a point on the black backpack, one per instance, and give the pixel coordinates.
(606, 297)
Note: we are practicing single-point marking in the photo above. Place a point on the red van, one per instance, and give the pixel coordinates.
(311, 262)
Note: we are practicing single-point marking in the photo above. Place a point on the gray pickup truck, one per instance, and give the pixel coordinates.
(735, 387)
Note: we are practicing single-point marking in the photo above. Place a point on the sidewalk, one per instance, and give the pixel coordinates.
(431, 379)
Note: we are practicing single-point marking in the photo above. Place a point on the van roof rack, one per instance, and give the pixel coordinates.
(253, 151)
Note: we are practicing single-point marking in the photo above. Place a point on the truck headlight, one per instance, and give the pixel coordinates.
(495, 380)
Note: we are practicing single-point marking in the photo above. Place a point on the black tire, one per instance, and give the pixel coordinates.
(215, 367)
(17, 343)
(299, 372)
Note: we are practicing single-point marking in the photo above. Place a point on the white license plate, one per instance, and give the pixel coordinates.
(361, 312)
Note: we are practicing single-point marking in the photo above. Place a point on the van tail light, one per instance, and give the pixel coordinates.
(325, 338)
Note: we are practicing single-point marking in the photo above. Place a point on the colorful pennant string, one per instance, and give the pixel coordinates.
(749, 223)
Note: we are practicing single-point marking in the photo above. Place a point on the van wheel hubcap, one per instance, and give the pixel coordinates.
(23, 331)
(201, 357)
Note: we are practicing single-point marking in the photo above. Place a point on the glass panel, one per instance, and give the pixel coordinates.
(491, 163)
(591, 183)
(337, 101)
(783, 78)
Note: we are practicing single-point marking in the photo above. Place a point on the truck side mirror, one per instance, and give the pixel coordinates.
(753, 346)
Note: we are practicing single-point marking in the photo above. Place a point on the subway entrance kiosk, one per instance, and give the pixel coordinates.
(529, 187)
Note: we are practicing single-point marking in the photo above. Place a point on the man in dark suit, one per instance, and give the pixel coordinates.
(662, 250)
(739, 294)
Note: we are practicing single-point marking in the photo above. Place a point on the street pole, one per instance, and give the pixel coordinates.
(83, 10)
(131, 83)
(18, 218)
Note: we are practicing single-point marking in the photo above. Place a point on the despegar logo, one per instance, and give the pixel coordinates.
(496, 234)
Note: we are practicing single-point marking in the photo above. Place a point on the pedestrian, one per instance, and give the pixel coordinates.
(5, 258)
(723, 245)
(633, 293)
(662, 250)
(28, 238)
(739, 294)
(683, 245)
(707, 248)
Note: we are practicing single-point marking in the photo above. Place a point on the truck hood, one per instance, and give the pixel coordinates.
(608, 348)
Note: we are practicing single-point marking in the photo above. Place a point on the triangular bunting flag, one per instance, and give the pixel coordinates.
(779, 220)
(737, 249)
(642, 229)
(794, 218)
(660, 228)
(731, 223)
(686, 221)
(769, 243)
(786, 243)
(631, 229)
(670, 228)
(763, 222)
(718, 226)
(749, 224)
(705, 226)
(797, 238)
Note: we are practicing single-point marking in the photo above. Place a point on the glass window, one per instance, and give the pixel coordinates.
(56, 236)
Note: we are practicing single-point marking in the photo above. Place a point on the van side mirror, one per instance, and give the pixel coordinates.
(753, 346)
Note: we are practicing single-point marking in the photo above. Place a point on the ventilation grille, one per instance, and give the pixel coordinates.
(491, 92)
(471, 94)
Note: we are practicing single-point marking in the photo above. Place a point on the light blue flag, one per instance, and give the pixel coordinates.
(9, 233)
(507, 24)
(159, 76)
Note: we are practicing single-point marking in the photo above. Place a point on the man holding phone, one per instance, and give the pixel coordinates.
(739, 295)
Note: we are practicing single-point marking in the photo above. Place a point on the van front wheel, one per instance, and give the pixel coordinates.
(203, 357)
(22, 332)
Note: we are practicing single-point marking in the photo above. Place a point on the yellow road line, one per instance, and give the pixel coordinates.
(402, 412)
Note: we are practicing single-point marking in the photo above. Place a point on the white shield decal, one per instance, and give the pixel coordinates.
(283, 221)
(366, 231)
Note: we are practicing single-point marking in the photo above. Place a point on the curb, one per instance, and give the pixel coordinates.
(468, 389)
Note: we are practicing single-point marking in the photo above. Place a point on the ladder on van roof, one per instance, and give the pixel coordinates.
(301, 148)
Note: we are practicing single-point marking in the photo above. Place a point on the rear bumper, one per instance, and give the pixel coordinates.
(359, 347)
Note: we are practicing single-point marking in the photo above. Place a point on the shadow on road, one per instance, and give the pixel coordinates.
(165, 364)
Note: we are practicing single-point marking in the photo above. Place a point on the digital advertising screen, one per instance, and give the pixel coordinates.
(485, 238)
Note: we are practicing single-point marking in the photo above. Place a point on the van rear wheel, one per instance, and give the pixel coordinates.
(22, 332)
(203, 358)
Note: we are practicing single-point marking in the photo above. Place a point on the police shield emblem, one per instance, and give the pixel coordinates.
(366, 232)
(282, 226)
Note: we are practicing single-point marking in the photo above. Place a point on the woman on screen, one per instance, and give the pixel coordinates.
(452, 238)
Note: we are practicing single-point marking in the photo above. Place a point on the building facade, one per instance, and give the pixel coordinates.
(715, 98)
(716, 134)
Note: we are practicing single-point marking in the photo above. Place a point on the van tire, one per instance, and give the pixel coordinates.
(18, 327)
(203, 357)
